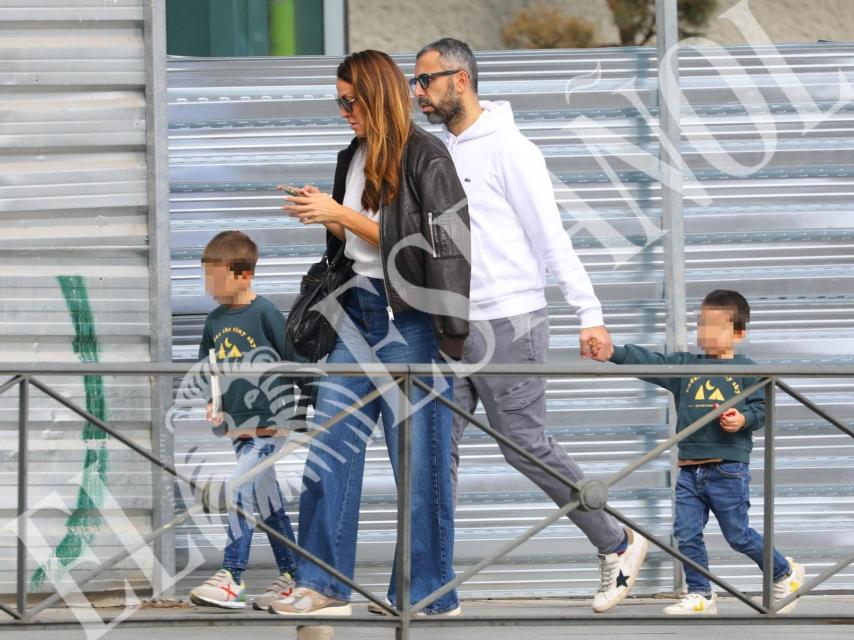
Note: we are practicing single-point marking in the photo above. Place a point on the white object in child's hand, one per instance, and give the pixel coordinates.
(216, 386)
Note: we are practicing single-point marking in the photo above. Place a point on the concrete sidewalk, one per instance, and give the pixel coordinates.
(637, 617)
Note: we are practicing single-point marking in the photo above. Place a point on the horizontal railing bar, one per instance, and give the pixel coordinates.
(429, 370)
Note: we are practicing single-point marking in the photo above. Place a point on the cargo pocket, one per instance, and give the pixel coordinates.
(521, 395)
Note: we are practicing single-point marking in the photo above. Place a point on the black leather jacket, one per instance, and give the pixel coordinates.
(426, 230)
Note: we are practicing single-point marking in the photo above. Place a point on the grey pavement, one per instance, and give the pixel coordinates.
(636, 618)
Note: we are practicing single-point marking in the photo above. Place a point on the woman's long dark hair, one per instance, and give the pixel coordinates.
(381, 90)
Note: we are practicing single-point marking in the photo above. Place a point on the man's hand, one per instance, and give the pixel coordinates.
(596, 343)
(732, 420)
(215, 420)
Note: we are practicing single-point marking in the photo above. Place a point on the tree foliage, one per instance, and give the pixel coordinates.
(635, 19)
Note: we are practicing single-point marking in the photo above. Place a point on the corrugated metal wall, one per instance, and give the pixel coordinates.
(783, 235)
(73, 206)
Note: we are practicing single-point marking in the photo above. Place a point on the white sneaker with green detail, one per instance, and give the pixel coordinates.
(220, 590)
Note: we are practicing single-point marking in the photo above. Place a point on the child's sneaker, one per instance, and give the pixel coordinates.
(220, 590)
(282, 587)
(308, 602)
(789, 585)
(619, 572)
(694, 604)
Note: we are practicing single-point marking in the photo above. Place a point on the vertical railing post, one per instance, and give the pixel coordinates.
(768, 512)
(670, 164)
(23, 450)
(404, 511)
(160, 293)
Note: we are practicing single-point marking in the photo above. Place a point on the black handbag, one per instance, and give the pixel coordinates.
(308, 331)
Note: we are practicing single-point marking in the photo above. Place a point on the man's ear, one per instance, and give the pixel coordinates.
(463, 81)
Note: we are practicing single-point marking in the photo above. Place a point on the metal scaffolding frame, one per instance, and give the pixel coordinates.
(591, 495)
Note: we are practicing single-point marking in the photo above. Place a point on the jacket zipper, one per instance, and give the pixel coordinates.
(432, 237)
(382, 259)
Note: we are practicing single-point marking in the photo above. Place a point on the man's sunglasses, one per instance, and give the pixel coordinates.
(425, 78)
(345, 103)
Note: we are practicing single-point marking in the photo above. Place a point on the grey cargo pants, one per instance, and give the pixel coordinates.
(516, 407)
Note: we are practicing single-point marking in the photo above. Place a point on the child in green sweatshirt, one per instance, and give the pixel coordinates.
(713, 462)
(246, 327)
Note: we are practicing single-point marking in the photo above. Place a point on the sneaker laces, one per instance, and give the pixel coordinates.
(282, 583)
(223, 575)
(608, 567)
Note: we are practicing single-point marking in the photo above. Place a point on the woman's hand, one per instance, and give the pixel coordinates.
(314, 207)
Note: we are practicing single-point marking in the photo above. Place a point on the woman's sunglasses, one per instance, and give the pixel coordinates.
(345, 103)
(425, 78)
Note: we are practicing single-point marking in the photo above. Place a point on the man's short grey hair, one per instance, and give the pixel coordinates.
(454, 54)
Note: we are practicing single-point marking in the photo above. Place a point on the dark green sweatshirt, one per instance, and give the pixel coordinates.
(698, 395)
(254, 333)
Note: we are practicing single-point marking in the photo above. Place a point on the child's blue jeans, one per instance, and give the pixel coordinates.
(261, 495)
(724, 489)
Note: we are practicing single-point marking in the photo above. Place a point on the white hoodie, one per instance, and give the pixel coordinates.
(516, 229)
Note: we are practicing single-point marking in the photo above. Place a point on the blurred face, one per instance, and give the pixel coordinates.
(354, 115)
(441, 101)
(716, 334)
(223, 285)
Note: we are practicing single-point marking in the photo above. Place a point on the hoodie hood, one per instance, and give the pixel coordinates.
(497, 116)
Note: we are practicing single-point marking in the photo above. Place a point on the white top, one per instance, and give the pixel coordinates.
(516, 228)
(366, 258)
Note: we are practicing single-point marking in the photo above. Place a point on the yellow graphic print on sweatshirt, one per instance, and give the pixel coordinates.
(707, 392)
(232, 342)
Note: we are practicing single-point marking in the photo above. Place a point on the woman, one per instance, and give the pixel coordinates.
(399, 207)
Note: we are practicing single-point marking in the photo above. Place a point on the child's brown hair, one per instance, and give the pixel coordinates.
(234, 249)
(733, 302)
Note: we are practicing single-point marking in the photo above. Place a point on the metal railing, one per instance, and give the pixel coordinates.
(591, 494)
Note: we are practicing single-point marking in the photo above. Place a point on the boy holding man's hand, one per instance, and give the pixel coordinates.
(714, 474)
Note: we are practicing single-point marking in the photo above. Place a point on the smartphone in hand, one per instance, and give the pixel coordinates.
(290, 190)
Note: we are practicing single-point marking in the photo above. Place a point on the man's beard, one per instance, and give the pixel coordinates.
(446, 112)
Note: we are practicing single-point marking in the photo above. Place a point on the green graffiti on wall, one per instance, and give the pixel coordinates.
(85, 520)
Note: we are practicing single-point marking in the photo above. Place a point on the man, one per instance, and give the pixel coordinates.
(516, 233)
